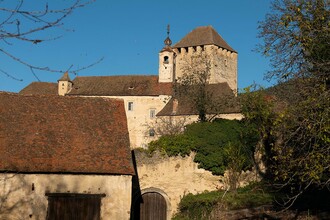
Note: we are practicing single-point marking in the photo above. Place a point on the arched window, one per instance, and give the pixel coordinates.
(166, 59)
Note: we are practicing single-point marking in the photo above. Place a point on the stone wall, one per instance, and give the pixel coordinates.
(223, 63)
(23, 195)
(177, 176)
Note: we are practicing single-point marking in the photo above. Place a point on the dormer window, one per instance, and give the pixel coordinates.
(166, 59)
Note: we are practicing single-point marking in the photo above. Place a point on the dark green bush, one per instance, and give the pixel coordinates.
(201, 205)
(209, 140)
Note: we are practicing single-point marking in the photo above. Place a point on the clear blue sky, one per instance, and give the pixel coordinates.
(129, 35)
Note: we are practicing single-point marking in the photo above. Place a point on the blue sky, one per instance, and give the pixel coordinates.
(129, 34)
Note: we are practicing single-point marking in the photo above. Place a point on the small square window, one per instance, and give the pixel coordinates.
(152, 113)
(130, 106)
(152, 132)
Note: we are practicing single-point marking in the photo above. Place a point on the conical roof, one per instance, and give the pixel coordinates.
(65, 77)
(205, 35)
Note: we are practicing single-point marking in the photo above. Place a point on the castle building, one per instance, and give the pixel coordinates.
(148, 98)
(85, 145)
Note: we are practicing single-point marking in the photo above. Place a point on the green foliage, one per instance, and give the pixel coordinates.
(200, 206)
(210, 141)
(173, 145)
(304, 153)
(259, 113)
(296, 38)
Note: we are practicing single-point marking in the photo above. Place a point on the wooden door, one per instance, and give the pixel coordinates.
(153, 207)
(73, 207)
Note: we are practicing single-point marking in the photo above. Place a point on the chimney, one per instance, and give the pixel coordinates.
(175, 106)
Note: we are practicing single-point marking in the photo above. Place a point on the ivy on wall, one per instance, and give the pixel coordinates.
(216, 144)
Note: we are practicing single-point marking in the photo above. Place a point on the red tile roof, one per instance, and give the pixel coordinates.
(55, 134)
(221, 101)
(132, 85)
(203, 36)
(41, 88)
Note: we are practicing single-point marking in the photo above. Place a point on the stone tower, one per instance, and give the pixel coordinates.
(64, 84)
(206, 42)
(166, 61)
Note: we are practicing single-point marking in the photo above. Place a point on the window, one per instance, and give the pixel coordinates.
(152, 113)
(166, 59)
(130, 106)
(152, 132)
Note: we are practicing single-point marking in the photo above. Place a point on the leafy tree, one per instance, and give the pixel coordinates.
(259, 113)
(193, 86)
(22, 21)
(196, 75)
(296, 38)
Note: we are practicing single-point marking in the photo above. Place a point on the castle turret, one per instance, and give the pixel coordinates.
(64, 84)
(206, 42)
(166, 61)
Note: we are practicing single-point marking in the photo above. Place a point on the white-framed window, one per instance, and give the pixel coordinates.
(152, 113)
(130, 106)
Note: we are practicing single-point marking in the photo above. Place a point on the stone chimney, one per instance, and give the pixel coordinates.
(175, 106)
(64, 84)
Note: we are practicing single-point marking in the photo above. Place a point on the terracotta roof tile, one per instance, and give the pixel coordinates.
(133, 85)
(41, 88)
(222, 101)
(203, 36)
(55, 134)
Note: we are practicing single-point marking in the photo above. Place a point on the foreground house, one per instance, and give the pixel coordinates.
(63, 157)
(146, 96)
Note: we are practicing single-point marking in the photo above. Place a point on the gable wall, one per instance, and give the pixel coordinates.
(19, 201)
(138, 120)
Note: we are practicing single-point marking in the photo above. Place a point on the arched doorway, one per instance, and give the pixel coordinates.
(152, 206)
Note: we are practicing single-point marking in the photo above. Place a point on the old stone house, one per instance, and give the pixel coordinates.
(64, 156)
(148, 97)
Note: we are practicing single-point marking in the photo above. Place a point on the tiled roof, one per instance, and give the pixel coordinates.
(41, 88)
(132, 85)
(55, 134)
(65, 77)
(222, 101)
(205, 35)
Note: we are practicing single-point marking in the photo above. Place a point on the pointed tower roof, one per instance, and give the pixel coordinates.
(65, 77)
(205, 35)
(167, 41)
